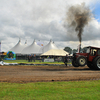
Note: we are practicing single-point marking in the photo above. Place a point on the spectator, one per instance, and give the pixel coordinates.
(48, 57)
(66, 59)
(34, 57)
(29, 58)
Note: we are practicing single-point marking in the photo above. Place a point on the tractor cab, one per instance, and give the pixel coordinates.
(93, 53)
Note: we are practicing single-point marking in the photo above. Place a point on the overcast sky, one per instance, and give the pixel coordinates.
(44, 20)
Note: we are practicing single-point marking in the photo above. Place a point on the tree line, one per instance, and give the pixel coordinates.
(71, 51)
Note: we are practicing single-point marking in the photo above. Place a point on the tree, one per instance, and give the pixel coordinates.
(74, 50)
(68, 49)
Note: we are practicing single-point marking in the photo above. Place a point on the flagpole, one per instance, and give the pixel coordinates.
(0, 46)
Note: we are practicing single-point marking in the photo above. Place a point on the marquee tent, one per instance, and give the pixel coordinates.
(48, 47)
(18, 47)
(32, 49)
(55, 52)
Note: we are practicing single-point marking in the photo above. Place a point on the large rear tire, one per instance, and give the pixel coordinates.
(74, 63)
(81, 61)
(96, 63)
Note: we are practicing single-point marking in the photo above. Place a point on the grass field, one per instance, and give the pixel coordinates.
(72, 90)
(36, 62)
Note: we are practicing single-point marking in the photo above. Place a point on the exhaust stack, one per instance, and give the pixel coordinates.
(79, 48)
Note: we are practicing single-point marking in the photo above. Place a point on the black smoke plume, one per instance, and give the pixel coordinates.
(77, 17)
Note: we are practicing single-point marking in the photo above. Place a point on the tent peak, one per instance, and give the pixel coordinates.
(34, 41)
(19, 40)
(50, 40)
(26, 42)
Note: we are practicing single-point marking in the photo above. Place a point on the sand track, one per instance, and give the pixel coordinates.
(24, 74)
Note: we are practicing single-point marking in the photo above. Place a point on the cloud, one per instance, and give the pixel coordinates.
(92, 31)
(40, 20)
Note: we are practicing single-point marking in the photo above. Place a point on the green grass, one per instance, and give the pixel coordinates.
(36, 62)
(73, 90)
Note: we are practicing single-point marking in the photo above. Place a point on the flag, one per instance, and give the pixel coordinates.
(40, 43)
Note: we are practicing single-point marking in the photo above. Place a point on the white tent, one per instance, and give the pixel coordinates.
(55, 52)
(32, 49)
(48, 47)
(18, 47)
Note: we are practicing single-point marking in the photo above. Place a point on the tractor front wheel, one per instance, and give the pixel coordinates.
(81, 61)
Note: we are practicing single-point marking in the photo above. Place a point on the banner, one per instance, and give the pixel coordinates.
(49, 60)
(40, 43)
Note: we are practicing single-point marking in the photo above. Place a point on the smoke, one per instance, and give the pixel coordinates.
(78, 17)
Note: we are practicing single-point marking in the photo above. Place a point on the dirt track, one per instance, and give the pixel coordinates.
(24, 74)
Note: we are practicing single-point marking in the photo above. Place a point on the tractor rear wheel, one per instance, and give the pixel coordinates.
(96, 63)
(74, 63)
(81, 61)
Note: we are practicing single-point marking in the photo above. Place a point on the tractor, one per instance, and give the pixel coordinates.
(89, 57)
